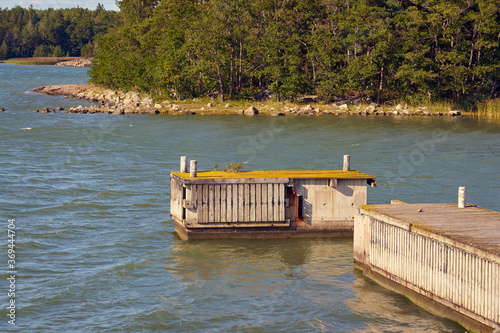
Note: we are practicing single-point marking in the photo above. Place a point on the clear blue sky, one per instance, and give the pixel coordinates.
(44, 4)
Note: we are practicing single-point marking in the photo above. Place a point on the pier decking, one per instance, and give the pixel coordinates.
(267, 204)
(443, 257)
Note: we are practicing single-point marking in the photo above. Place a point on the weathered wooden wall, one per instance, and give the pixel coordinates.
(238, 204)
(176, 198)
(330, 200)
(460, 278)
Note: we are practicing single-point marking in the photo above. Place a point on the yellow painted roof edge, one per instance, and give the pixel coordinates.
(295, 174)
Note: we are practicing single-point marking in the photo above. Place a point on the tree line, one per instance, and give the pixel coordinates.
(28, 32)
(416, 50)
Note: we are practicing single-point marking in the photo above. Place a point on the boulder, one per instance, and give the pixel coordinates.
(344, 107)
(370, 109)
(176, 107)
(209, 105)
(118, 111)
(277, 114)
(127, 101)
(455, 113)
(188, 112)
(150, 111)
(135, 98)
(399, 107)
(158, 106)
(147, 101)
(251, 111)
(2, 109)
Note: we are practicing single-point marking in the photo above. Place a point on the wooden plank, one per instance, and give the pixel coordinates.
(258, 202)
(246, 212)
(241, 203)
(251, 203)
(241, 225)
(264, 203)
(278, 180)
(229, 203)
(234, 202)
(217, 203)
(223, 204)
(192, 196)
(276, 202)
(203, 209)
(270, 208)
(211, 203)
(282, 202)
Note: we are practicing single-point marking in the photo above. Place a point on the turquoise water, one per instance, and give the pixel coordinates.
(96, 248)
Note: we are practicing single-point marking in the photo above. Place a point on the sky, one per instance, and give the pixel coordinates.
(56, 4)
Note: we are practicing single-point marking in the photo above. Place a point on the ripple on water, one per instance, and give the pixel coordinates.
(98, 251)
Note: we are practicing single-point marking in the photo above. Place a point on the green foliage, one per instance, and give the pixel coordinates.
(233, 167)
(414, 51)
(45, 33)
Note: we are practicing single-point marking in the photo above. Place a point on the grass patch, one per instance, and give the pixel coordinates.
(38, 60)
(489, 109)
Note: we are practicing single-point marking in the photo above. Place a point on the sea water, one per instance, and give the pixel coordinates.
(95, 247)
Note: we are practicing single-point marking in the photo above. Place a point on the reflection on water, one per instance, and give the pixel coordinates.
(269, 285)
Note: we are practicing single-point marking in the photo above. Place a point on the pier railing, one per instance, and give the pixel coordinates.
(459, 278)
(446, 257)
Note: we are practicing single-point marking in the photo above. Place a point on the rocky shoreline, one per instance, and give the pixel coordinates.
(120, 103)
(75, 63)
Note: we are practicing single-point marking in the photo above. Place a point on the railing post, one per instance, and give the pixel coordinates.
(461, 197)
(184, 164)
(193, 169)
(347, 163)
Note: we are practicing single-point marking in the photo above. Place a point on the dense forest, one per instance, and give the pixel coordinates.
(53, 33)
(417, 50)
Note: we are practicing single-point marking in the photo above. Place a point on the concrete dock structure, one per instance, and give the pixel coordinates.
(266, 204)
(443, 257)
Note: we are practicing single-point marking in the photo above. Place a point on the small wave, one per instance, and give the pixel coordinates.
(26, 128)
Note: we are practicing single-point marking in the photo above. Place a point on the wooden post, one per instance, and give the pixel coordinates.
(184, 164)
(192, 169)
(347, 163)
(461, 197)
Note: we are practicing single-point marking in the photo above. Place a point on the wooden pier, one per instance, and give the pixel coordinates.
(443, 257)
(266, 204)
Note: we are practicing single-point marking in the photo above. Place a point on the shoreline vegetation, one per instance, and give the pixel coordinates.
(57, 61)
(120, 103)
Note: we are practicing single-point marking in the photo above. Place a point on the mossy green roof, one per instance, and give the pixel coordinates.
(293, 174)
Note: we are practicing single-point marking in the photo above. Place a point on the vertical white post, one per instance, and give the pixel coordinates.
(461, 197)
(184, 164)
(347, 163)
(193, 169)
